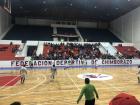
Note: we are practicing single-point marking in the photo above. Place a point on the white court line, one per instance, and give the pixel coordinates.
(112, 86)
(27, 89)
(9, 82)
(56, 91)
(134, 75)
(17, 83)
(10, 86)
(116, 88)
(72, 80)
(129, 72)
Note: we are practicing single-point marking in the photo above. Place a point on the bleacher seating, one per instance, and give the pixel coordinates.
(60, 51)
(66, 31)
(128, 51)
(71, 50)
(7, 52)
(96, 35)
(25, 33)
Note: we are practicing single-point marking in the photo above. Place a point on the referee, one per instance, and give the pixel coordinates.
(88, 90)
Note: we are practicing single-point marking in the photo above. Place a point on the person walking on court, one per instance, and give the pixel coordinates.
(23, 73)
(31, 63)
(53, 72)
(88, 90)
(138, 74)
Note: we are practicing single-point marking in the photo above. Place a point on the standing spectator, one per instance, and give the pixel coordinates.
(31, 63)
(88, 90)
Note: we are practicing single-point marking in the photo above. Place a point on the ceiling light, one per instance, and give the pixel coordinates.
(117, 8)
(108, 14)
(44, 2)
(45, 9)
(95, 6)
(20, 7)
(71, 4)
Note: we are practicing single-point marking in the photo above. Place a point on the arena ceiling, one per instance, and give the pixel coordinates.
(105, 10)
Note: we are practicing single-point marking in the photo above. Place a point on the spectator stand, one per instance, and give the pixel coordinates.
(65, 32)
(127, 50)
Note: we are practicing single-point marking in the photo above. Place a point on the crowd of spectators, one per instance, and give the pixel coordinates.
(107, 56)
(128, 52)
(72, 51)
(13, 48)
(76, 51)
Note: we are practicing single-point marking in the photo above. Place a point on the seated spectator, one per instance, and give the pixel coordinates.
(74, 50)
(11, 43)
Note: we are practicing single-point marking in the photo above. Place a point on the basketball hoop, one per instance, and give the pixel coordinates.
(7, 5)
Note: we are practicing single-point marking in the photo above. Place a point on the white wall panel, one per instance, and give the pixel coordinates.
(47, 22)
(116, 26)
(136, 25)
(41, 22)
(87, 24)
(5, 21)
(127, 27)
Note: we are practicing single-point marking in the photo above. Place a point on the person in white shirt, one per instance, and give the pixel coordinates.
(23, 73)
(53, 71)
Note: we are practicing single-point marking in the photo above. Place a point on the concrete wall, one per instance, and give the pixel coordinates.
(127, 27)
(46, 22)
(5, 22)
(87, 24)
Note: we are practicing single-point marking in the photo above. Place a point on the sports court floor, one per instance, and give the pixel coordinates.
(64, 90)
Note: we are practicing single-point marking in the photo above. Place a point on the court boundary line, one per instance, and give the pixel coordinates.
(9, 82)
(16, 84)
(112, 85)
(11, 95)
(68, 90)
(75, 84)
(105, 81)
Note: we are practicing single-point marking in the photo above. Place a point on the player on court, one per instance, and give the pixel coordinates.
(31, 63)
(23, 74)
(53, 71)
(95, 65)
(138, 74)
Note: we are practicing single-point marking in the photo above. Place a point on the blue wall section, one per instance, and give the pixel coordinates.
(98, 35)
(25, 33)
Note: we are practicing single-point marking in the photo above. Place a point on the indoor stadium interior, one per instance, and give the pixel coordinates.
(49, 48)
